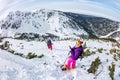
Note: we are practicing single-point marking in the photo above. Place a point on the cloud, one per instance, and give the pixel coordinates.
(109, 9)
(2, 4)
(7, 5)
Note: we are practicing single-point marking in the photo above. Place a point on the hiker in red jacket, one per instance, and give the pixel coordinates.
(49, 43)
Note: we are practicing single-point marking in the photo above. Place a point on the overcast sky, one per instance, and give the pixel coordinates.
(105, 8)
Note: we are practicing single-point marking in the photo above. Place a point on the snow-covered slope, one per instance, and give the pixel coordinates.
(15, 67)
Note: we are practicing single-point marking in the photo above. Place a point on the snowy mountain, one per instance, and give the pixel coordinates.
(16, 64)
(56, 23)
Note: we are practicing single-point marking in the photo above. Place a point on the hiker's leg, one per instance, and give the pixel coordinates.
(69, 63)
(50, 46)
(73, 63)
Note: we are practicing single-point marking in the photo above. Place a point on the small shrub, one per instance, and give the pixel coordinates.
(87, 52)
(21, 43)
(115, 57)
(116, 44)
(105, 49)
(45, 63)
(6, 44)
(16, 53)
(84, 45)
(113, 51)
(31, 55)
(108, 39)
(94, 66)
(1, 46)
(22, 47)
(100, 50)
(82, 66)
(107, 53)
(0, 39)
(11, 51)
(106, 60)
(19, 54)
(112, 70)
(40, 56)
(93, 52)
(118, 55)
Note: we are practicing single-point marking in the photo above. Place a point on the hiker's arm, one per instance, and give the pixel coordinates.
(72, 48)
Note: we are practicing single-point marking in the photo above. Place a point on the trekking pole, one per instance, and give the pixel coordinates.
(67, 57)
(65, 60)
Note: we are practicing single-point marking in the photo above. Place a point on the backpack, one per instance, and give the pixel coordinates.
(81, 55)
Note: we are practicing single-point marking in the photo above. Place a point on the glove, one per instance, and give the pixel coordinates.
(69, 56)
(70, 47)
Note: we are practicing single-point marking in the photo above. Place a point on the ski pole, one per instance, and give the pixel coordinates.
(67, 57)
(65, 60)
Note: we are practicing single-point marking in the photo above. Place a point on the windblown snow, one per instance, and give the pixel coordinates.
(14, 67)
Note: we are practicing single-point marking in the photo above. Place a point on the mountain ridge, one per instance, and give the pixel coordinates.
(61, 24)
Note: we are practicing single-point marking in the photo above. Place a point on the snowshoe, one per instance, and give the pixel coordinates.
(63, 67)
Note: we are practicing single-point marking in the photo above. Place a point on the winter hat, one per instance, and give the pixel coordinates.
(78, 43)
